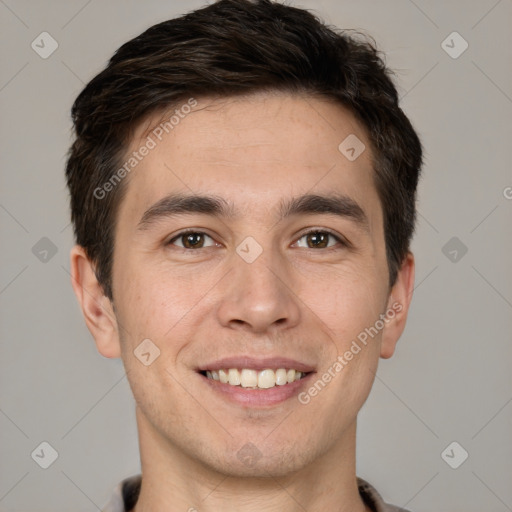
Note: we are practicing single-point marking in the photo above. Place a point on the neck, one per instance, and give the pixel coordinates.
(172, 481)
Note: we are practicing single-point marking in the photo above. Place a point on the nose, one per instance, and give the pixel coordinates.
(258, 297)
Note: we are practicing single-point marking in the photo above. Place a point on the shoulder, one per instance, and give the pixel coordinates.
(125, 495)
(374, 500)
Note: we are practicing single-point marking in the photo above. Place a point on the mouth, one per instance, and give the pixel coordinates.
(251, 379)
(256, 382)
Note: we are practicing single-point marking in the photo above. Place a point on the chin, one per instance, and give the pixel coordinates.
(251, 462)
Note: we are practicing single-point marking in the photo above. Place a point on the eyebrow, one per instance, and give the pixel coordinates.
(215, 206)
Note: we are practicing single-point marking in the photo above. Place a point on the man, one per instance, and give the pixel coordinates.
(243, 190)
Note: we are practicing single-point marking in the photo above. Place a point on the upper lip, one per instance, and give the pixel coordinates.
(257, 364)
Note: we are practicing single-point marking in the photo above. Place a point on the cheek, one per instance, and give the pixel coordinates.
(347, 300)
(156, 302)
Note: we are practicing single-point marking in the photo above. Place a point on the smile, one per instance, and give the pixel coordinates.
(252, 379)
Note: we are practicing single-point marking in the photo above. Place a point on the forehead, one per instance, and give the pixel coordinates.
(252, 151)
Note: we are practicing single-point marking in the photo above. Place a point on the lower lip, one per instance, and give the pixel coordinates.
(258, 397)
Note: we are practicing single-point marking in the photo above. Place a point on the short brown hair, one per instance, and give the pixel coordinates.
(236, 47)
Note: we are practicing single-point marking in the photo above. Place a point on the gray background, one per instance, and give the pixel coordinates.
(450, 378)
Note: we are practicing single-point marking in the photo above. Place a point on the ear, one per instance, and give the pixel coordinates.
(398, 307)
(96, 307)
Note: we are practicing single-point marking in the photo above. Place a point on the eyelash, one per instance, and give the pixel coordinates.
(344, 243)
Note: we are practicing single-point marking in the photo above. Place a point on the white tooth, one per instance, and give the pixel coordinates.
(248, 378)
(266, 379)
(234, 376)
(223, 376)
(281, 379)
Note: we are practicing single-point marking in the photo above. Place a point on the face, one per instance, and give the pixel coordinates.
(253, 285)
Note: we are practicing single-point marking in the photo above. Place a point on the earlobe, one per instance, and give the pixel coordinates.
(398, 306)
(96, 307)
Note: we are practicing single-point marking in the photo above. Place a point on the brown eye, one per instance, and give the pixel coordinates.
(190, 240)
(319, 239)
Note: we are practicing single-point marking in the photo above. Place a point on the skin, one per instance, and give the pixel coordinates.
(295, 300)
